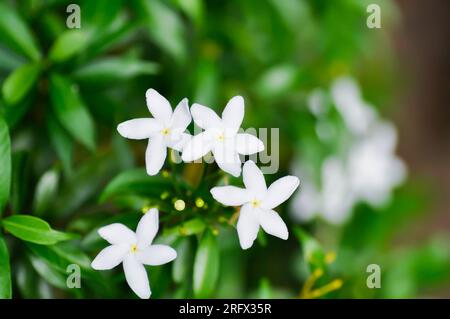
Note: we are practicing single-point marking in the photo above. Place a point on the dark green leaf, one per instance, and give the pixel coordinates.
(20, 180)
(62, 143)
(5, 164)
(182, 265)
(71, 111)
(5, 271)
(19, 82)
(206, 266)
(15, 33)
(34, 230)
(136, 182)
(67, 45)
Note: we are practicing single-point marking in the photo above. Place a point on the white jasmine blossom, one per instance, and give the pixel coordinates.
(357, 114)
(257, 203)
(221, 136)
(369, 173)
(134, 250)
(165, 129)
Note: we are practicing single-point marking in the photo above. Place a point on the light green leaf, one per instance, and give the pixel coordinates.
(110, 70)
(19, 82)
(67, 45)
(34, 230)
(15, 33)
(312, 251)
(45, 191)
(71, 112)
(5, 271)
(165, 28)
(206, 266)
(136, 181)
(5, 164)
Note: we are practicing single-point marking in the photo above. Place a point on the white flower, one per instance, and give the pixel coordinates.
(374, 169)
(166, 129)
(357, 114)
(134, 250)
(221, 136)
(257, 203)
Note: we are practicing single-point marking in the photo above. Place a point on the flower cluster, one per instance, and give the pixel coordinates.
(221, 137)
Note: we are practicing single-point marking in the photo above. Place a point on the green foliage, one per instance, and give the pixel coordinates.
(5, 271)
(34, 230)
(206, 266)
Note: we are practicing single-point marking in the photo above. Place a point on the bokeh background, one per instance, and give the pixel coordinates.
(363, 122)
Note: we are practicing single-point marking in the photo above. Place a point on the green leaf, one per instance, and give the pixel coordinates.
(19, 82)
(62, 143)
(182, 265)
(67, 45)
(136, 182)
(206, 266)
(111, 70)
(5, 271)
(46, 189)
(34, 230)
(313, 253)
(165, 28)
(5, 164)
(15, 33)
(20, 180)
(71, 112)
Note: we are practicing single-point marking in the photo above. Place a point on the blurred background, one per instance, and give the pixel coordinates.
(362, 114)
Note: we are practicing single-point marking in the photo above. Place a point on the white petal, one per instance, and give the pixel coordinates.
(136, 277)
(110, 257)
(205, 117)
(254, 179)
(198, 146)
(155, 155)
(247, 144)
(147, 228)
(156, 255)
(117, 234)
(272, 224)
(181, 117)
(139, 129)
(158, 106)
(233, 114)
(179, 143)
(247, 226)
(280, 191)
(230, 195)
(227, 159)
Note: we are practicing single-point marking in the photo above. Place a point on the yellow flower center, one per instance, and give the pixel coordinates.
(134, 249)
(220, 137)
(255, 203)
(165, 131)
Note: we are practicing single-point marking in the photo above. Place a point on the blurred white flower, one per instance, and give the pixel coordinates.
(257, 203)
(333, 201)
(368, 170)
(165, 129)
(373, 167)
(134, 250)
(357, 114)
(221, 136)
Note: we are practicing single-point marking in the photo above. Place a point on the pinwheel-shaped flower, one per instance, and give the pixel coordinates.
(134, 250)
(221, 136)
(257, 203)
(166, 129)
